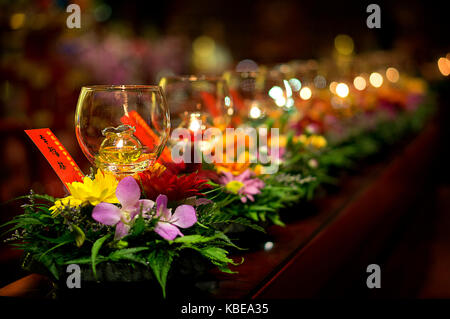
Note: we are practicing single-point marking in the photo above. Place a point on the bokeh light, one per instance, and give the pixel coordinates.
(255, 112)
(359, 83)
(247, 65)
(276, 92)
(102, 12)
(344, 44)
(290, 102)
(376, 79)
(296, 85)
(17, 21)
(320, 82)
(333, 87)
(203, 46)
(342, 90)
(444, 66)
(281, 101)
(305, 93)
(392, 75)
(194, 122)
(208, 55)
(288, 88)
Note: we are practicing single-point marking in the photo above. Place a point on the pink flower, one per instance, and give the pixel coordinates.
(242, 184)
(167, 226)
(128, 194)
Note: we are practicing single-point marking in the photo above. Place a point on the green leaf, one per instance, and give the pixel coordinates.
(222, 236)
(29, 221)
(44, 197)
(202, 226)
(48, 262)
(94, 252)
(253, 215)
(53, 248)
(128, 254)
(138, 227)
(256, 208)
(225, 269)
(248, 223)
(276, 220)
(64, 238)
(83, 260)
(160, 262)
(192, 239)
(79, 235)
(215, 254)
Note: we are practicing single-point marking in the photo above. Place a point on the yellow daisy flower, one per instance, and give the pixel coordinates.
(94, 191)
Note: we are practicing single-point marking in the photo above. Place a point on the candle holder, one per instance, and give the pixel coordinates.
(260, 94)
(122, 129)
(198, 102)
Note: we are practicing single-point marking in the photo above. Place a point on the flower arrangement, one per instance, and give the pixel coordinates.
(107, 221)
(153, 216)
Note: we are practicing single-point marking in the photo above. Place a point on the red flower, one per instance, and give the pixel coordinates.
(174, 187)
(182, 168)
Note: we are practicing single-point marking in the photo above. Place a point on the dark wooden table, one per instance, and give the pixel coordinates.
(300, 259)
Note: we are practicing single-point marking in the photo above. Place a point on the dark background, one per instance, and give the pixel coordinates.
(43, 64)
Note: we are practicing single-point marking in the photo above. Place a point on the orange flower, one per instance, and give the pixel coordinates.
(232, 166)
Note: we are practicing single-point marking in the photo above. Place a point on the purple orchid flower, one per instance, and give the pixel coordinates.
(167, 226)
(128, 194)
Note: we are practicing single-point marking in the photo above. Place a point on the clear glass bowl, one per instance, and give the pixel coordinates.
(122, 128)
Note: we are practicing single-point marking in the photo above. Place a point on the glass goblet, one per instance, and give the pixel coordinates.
(122, 128)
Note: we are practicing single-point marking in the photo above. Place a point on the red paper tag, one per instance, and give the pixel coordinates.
(144, 133)
(60, 160)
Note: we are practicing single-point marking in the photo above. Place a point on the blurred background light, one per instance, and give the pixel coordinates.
(203, 46)
(444, 66)
(392, 75)
(344, 44)
(247, 65)
(288, 88)
(296, 85)
(285, 68)
(359, 83)
(320, 82)
(194, 122)
(208, 56)
(268, 246)
(276, 92)
(227, 101)
(305, 93)
(333, 87)
(376, 79)
(102, 12)
(290, 102)
(17, 21)
(342, 90)
(281, 101)
(255, 112)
